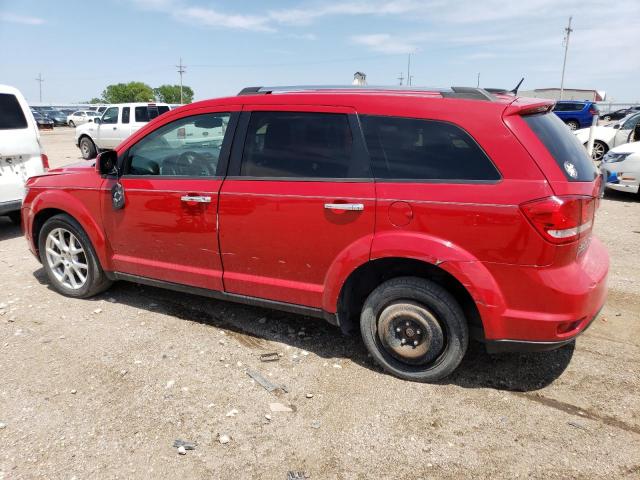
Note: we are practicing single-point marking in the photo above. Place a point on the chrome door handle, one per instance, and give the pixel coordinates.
(196, 198)
(352, 207)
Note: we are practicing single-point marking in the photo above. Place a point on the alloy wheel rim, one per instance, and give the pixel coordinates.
(411, 333)
(66, 258)
(598, 151)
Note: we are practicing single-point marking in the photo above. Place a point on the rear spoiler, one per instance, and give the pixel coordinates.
(529, 106)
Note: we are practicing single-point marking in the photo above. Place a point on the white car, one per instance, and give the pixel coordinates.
(621, 168)
(21, 154)
(609, 136)
(117, 123)
(81, 117)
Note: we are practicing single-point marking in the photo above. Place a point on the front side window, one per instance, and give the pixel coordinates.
(110, 116)
(631, 123)
(11, 115)
(298, 145)
(189, 147)
(415, 149)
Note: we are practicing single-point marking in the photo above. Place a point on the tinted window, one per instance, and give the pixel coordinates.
(630, 123)
(565, 148)
(110, 115)
(11, 115)
(146, 114)
(411, 149)
(189, 147)
(125, 114)
(297, 144)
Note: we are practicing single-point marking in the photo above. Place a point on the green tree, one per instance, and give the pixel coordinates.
(171, 94)
(128, 92)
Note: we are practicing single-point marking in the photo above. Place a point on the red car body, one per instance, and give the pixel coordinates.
(270, 242)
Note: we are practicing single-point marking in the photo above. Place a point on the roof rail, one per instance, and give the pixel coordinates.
(471, 93)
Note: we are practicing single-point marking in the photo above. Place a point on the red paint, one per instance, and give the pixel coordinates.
(275, 240)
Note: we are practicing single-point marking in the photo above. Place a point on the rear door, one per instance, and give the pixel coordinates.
(19, 147)
(299, 193)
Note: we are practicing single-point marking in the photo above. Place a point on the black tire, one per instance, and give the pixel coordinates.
(408, 298)
(96, 280)
(71, 124)
(606, 118)
(14, 217)
(88, 148)
(573, 125)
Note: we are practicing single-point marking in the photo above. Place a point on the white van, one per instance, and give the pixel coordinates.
(21, 154)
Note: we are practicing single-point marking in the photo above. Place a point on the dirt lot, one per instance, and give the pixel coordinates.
(101, 388)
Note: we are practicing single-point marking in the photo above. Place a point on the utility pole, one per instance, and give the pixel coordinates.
(401, 78)
(409, 70)
(567, 31)
(181, 69)
(478, 83)
(39, 79)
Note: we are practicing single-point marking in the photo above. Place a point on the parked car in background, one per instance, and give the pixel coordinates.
(117, 123)
(81, 117)
(616, 115)
(608, 136)
(419, 218)
(98, 109)
(21, 155)
(59, 118)
(575, 114)
(621, 168)
(44, 123)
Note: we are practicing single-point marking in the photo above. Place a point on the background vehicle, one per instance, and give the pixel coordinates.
(420, 217)
(616, 115)
(608, 136)
(575, 114)
(43, 123)
(20, 152)
(117, 123)
(621, 168)
(59, 118)
(81, 117)
(98, 109)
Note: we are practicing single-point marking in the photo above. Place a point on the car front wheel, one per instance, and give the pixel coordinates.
(69, 260)
(71, 124)
(599, 149)
(87, 148)
(414, 329)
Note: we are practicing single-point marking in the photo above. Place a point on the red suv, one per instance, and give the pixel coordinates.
(425, 217)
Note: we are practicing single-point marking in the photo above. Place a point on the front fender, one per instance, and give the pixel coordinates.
(61, 200)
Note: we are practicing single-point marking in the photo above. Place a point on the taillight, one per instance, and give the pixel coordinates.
(563, 219)
(45, 161)
(593, 111)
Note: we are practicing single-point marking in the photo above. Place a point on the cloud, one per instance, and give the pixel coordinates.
(384, 43)
(21, 19)
(213, 18)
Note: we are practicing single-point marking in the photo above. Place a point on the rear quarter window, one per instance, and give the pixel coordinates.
(564, 147)
(11, 114)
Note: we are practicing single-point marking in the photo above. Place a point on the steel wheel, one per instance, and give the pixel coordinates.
(598, 151)
(66, 258)
(411, 333)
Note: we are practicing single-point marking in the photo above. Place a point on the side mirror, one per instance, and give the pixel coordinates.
(107, 163)
(96, 120)
(616, 126)
(89, 121)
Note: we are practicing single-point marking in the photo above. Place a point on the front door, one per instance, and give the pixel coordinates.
(298, 194)
(625, 131)
(167, 229)
(107, 130)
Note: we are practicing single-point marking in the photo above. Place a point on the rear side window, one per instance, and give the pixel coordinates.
(298, 145)
(11, 114)
(125, 114)
(414, 149)
(563, 146)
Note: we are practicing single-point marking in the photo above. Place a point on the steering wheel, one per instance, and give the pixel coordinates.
(190, 164)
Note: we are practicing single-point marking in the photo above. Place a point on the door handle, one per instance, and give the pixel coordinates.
(352, 207)
(115, 128)
(196, 198)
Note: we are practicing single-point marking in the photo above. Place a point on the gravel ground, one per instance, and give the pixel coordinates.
(102, 388)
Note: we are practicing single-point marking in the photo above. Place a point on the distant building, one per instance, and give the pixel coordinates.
(359, 78)
(567, 94)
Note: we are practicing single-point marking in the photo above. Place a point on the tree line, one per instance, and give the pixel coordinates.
(141, 92)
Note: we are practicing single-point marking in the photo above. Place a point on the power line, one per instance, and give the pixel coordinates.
(181, 69)
(39, 79)
(567, 31)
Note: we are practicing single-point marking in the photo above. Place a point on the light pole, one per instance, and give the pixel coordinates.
(39, 79)
(568, 31)
(181, 70)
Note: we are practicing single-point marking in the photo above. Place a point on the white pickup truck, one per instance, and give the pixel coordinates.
(116, 123)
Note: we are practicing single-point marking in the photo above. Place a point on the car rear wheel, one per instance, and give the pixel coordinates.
(87, 148)
(69, 260)
(606, 118)
(414, 329)
(573, 125)
(599, 149)
(71, 124)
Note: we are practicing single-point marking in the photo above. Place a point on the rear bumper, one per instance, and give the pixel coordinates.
(8, 207)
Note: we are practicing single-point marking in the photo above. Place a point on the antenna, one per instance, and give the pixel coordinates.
(39, 79)
(567, 31)
(181, 69)
(515, 90)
